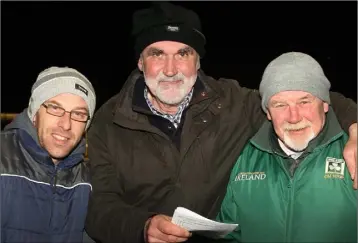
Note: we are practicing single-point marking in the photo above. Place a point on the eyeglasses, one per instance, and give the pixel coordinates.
(59, 111)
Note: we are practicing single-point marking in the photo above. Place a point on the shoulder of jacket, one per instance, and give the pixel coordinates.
(244, 158)
(8, 138)
(7, 133)
(82, 173)
(106, 111)
(225, 85)
(235, 86)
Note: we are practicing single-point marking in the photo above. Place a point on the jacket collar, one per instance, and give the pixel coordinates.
(266, 139)
(42, 156)
(130, 104)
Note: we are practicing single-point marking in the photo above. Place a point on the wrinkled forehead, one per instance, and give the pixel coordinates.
(169, 47)
(291, 95)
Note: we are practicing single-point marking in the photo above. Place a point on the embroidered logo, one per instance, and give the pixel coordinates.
(81, 88)
(250, 176)
(334, 168)
(172, 28)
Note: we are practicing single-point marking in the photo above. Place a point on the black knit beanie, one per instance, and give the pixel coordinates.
(167, 22)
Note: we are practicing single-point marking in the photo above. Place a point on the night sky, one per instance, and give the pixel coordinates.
(243, 37)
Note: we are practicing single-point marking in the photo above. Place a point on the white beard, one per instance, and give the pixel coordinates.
(299, 143)
(161, 91)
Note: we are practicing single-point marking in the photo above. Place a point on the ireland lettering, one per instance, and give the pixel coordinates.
(250, 176)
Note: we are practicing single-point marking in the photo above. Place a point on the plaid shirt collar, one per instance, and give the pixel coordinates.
(174, 119)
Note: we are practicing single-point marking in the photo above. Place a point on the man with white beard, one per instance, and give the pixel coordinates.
(170, 137)
(304, 192)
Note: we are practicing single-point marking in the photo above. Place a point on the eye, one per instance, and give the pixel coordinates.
(156, 53)
(54, 107)
(278, 105)
(304, 102)
(183, 53)
(79, 115)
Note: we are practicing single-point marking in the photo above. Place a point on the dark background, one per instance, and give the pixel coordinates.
(243, 37)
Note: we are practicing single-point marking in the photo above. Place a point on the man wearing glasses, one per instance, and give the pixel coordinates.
(44, 178)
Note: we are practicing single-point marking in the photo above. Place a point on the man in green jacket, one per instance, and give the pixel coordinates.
(291, 183)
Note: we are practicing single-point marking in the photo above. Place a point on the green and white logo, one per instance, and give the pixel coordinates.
(334, 168)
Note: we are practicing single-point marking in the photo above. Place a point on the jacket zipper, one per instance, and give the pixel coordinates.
(290, 196)
(54, 181)
(53, 187)
(289, 210)
(291, 192)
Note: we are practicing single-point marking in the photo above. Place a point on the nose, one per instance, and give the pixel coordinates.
(65, 121)
(169, 67)
(294, 116)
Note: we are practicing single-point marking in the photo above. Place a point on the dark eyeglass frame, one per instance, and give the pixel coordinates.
(63, 112)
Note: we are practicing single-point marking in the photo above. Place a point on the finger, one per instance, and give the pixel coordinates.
(155, 234)
(355, 183)
(355, 163)
(154, 240)
(153, 231)
(173, 238)
(161, 237)
(163, 229)
(356, 167)
(351, 164)
(353, 174)
(350, 156)
(171, 229)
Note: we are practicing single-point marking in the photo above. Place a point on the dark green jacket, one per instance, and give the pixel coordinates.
(315, 204)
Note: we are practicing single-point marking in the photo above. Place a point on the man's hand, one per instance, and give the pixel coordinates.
(161, 229)
(350, 154)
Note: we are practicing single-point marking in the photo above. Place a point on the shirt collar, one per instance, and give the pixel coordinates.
(175, 118)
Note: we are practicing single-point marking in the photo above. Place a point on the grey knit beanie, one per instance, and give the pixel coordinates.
(58, 80)
(294, 71)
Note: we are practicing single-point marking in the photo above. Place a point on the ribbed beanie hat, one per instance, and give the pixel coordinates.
(57, 80)
(294, 71)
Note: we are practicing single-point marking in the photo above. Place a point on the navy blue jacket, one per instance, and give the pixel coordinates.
(40, 202)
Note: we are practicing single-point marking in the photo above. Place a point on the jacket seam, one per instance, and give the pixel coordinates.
(45, 183)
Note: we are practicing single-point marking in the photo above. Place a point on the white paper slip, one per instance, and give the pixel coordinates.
(196, 223)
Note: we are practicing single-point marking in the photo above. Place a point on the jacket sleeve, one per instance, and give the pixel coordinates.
(345, 110)
(109, 218)
(228, 211)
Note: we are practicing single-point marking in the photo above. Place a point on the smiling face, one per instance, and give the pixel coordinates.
(60, 135)
(297, 117)
(170, 70)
